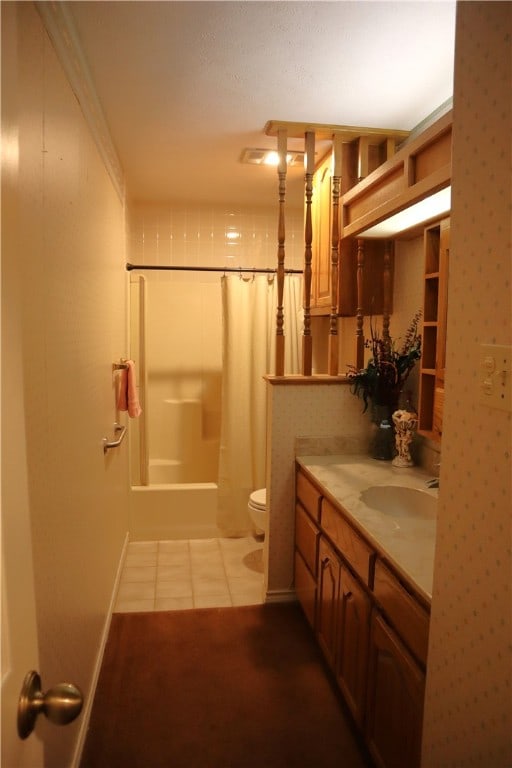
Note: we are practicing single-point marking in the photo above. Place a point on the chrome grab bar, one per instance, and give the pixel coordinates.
(114, 443)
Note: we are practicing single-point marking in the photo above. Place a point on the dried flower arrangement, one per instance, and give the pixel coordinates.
(388, 368)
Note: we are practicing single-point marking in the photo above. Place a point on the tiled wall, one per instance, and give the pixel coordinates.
(468, 713)
(212, 236)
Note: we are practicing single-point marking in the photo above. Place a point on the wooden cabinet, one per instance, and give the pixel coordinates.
(321, 214)
(403, 610)
(358, 554)
(306, 558)
(432, 365)
(343, 613)
(321, 249)
(328, 593)
(371, 626)
(396, 677)
(396, 687)
(307, 515)
(305, 588)
(353, 638)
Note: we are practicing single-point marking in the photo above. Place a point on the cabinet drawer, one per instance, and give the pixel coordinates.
(306, 538)
(408, 617)
(353, 548)
(309, 496)
(305, 588)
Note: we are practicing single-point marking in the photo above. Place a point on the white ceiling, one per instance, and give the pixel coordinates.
(186, 86)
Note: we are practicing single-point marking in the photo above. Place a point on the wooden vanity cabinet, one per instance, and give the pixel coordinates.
(343, 614)
(396, 675)
(307, 516)
(371, 626)
(352, 664)
(306, 557)
(394, 706)
(328, 596)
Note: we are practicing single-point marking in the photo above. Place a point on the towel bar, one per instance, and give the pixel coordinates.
(122, 366)
(114, 443)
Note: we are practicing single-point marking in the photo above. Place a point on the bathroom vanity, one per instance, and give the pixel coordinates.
(364, 555)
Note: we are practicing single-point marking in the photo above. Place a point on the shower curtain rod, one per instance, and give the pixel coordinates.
(253, 270)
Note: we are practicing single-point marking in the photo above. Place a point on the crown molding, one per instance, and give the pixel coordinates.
(60, 27)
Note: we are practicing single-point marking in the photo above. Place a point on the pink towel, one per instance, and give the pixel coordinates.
(128, 399)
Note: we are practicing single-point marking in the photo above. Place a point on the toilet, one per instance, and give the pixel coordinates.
(257, 507)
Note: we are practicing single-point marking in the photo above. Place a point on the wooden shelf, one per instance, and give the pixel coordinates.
(431, 399)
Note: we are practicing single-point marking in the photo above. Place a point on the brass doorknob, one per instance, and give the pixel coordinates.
(61, 704)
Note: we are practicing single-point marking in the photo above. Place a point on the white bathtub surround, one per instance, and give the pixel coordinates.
(173, 511)
(183, 574)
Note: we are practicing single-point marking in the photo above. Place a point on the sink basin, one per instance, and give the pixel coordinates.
(400, 501)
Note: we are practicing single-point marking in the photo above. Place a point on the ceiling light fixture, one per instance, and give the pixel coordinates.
(270, 157)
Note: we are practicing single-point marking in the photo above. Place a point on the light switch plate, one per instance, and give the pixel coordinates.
(496, 376)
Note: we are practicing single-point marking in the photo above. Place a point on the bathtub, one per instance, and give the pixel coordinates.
(164, 511)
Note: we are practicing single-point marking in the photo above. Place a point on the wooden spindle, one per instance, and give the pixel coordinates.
(307, 342)
(281, 172)
(333, 348)
(359, 311)
(386, 302)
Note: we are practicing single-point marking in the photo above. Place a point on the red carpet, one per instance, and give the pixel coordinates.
(217, 688)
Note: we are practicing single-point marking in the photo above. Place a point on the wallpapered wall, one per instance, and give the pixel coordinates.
(70, 323)
(468, 714)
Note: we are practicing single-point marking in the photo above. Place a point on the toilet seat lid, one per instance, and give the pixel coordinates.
(259, 498)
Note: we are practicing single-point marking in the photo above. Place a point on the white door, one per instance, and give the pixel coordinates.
(19, 633)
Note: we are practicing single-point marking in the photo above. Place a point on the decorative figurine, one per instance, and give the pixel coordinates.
(405, 425)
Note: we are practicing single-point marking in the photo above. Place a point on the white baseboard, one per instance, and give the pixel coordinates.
(89, 699)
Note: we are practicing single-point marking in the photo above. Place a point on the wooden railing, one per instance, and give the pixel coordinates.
(368, 181)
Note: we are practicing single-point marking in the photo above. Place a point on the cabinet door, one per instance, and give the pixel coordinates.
(353, 634)
(322, 236)
(396, 687)
(328, 594)
(306, 539)
(305, 589)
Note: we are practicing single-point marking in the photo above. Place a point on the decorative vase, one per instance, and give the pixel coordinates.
(405, 426)
(383, 440)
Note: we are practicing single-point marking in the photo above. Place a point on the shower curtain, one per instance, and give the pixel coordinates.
(249, 309)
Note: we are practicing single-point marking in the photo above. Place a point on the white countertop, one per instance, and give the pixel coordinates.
(408, 543)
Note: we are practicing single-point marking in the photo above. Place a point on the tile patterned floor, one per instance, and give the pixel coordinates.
(202, 573)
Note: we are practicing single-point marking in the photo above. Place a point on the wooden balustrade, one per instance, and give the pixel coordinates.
(307, 341)
(359, 311)
(281, 170)
(332, 360)
(357, 152)
(386, 277)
